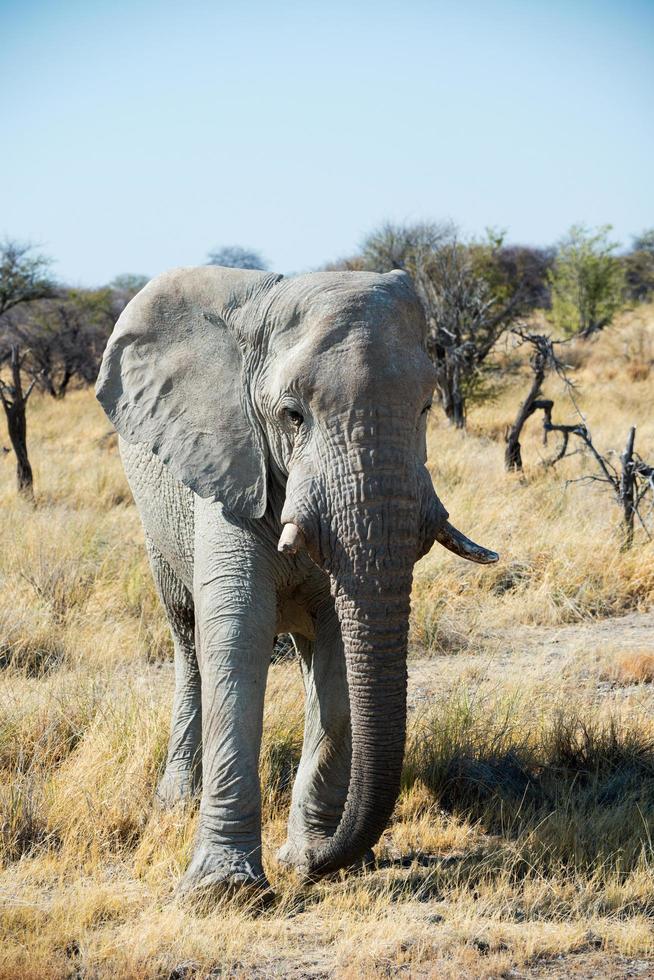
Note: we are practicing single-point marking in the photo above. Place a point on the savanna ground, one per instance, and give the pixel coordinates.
(521, 845)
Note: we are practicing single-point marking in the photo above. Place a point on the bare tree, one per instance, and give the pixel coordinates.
(235, 257)
(631, 484)
(23, 279)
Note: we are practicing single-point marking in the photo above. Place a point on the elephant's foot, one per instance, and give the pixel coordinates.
(224, 872)
(295, 853)
(177, 786)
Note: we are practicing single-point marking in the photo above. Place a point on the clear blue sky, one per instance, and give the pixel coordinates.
(137, 134)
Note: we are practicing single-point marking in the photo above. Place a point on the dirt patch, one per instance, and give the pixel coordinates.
(578, 655)
(596, 966)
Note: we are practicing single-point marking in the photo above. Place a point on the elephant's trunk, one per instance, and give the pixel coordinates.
(375, 637)
(373, 546)
(367, 525)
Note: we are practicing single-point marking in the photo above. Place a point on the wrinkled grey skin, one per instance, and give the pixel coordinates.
(251, 407)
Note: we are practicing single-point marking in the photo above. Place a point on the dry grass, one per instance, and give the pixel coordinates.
(631, 668)
(524, 829)
(561, 559)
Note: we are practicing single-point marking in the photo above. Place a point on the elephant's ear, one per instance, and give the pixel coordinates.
(173, 378)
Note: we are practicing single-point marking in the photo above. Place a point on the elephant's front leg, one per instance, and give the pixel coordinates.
(235, 609)
(182, 775)
(323, 775)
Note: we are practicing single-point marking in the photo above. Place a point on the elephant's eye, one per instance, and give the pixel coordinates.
(294, 417)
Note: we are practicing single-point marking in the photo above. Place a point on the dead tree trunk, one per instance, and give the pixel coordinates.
(627, 489)
(513, 454)
(448, 384)
(14, 401)
(542, 360)
(454, 408)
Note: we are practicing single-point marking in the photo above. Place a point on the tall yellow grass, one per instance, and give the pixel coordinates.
(524, 828)
(560, 547)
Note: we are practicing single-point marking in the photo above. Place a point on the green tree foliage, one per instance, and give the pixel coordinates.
(587, 282)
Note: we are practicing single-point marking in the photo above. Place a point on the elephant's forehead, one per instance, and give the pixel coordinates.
(326, 303)
(349, 347)
(333, 313)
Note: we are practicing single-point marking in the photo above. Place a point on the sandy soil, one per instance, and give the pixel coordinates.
(575, 655)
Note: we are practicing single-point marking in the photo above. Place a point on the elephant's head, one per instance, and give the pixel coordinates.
(319, 386)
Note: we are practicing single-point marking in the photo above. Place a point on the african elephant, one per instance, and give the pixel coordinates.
(273, 435)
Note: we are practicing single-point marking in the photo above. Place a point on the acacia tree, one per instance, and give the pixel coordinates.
(469, 298)
(587, 282)
(63, 337)
(23, 275)
(23, 279)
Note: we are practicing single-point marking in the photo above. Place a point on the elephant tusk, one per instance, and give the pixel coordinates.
(454, 541)
(291, 540)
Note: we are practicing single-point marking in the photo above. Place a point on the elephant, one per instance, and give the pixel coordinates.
(273, 433)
